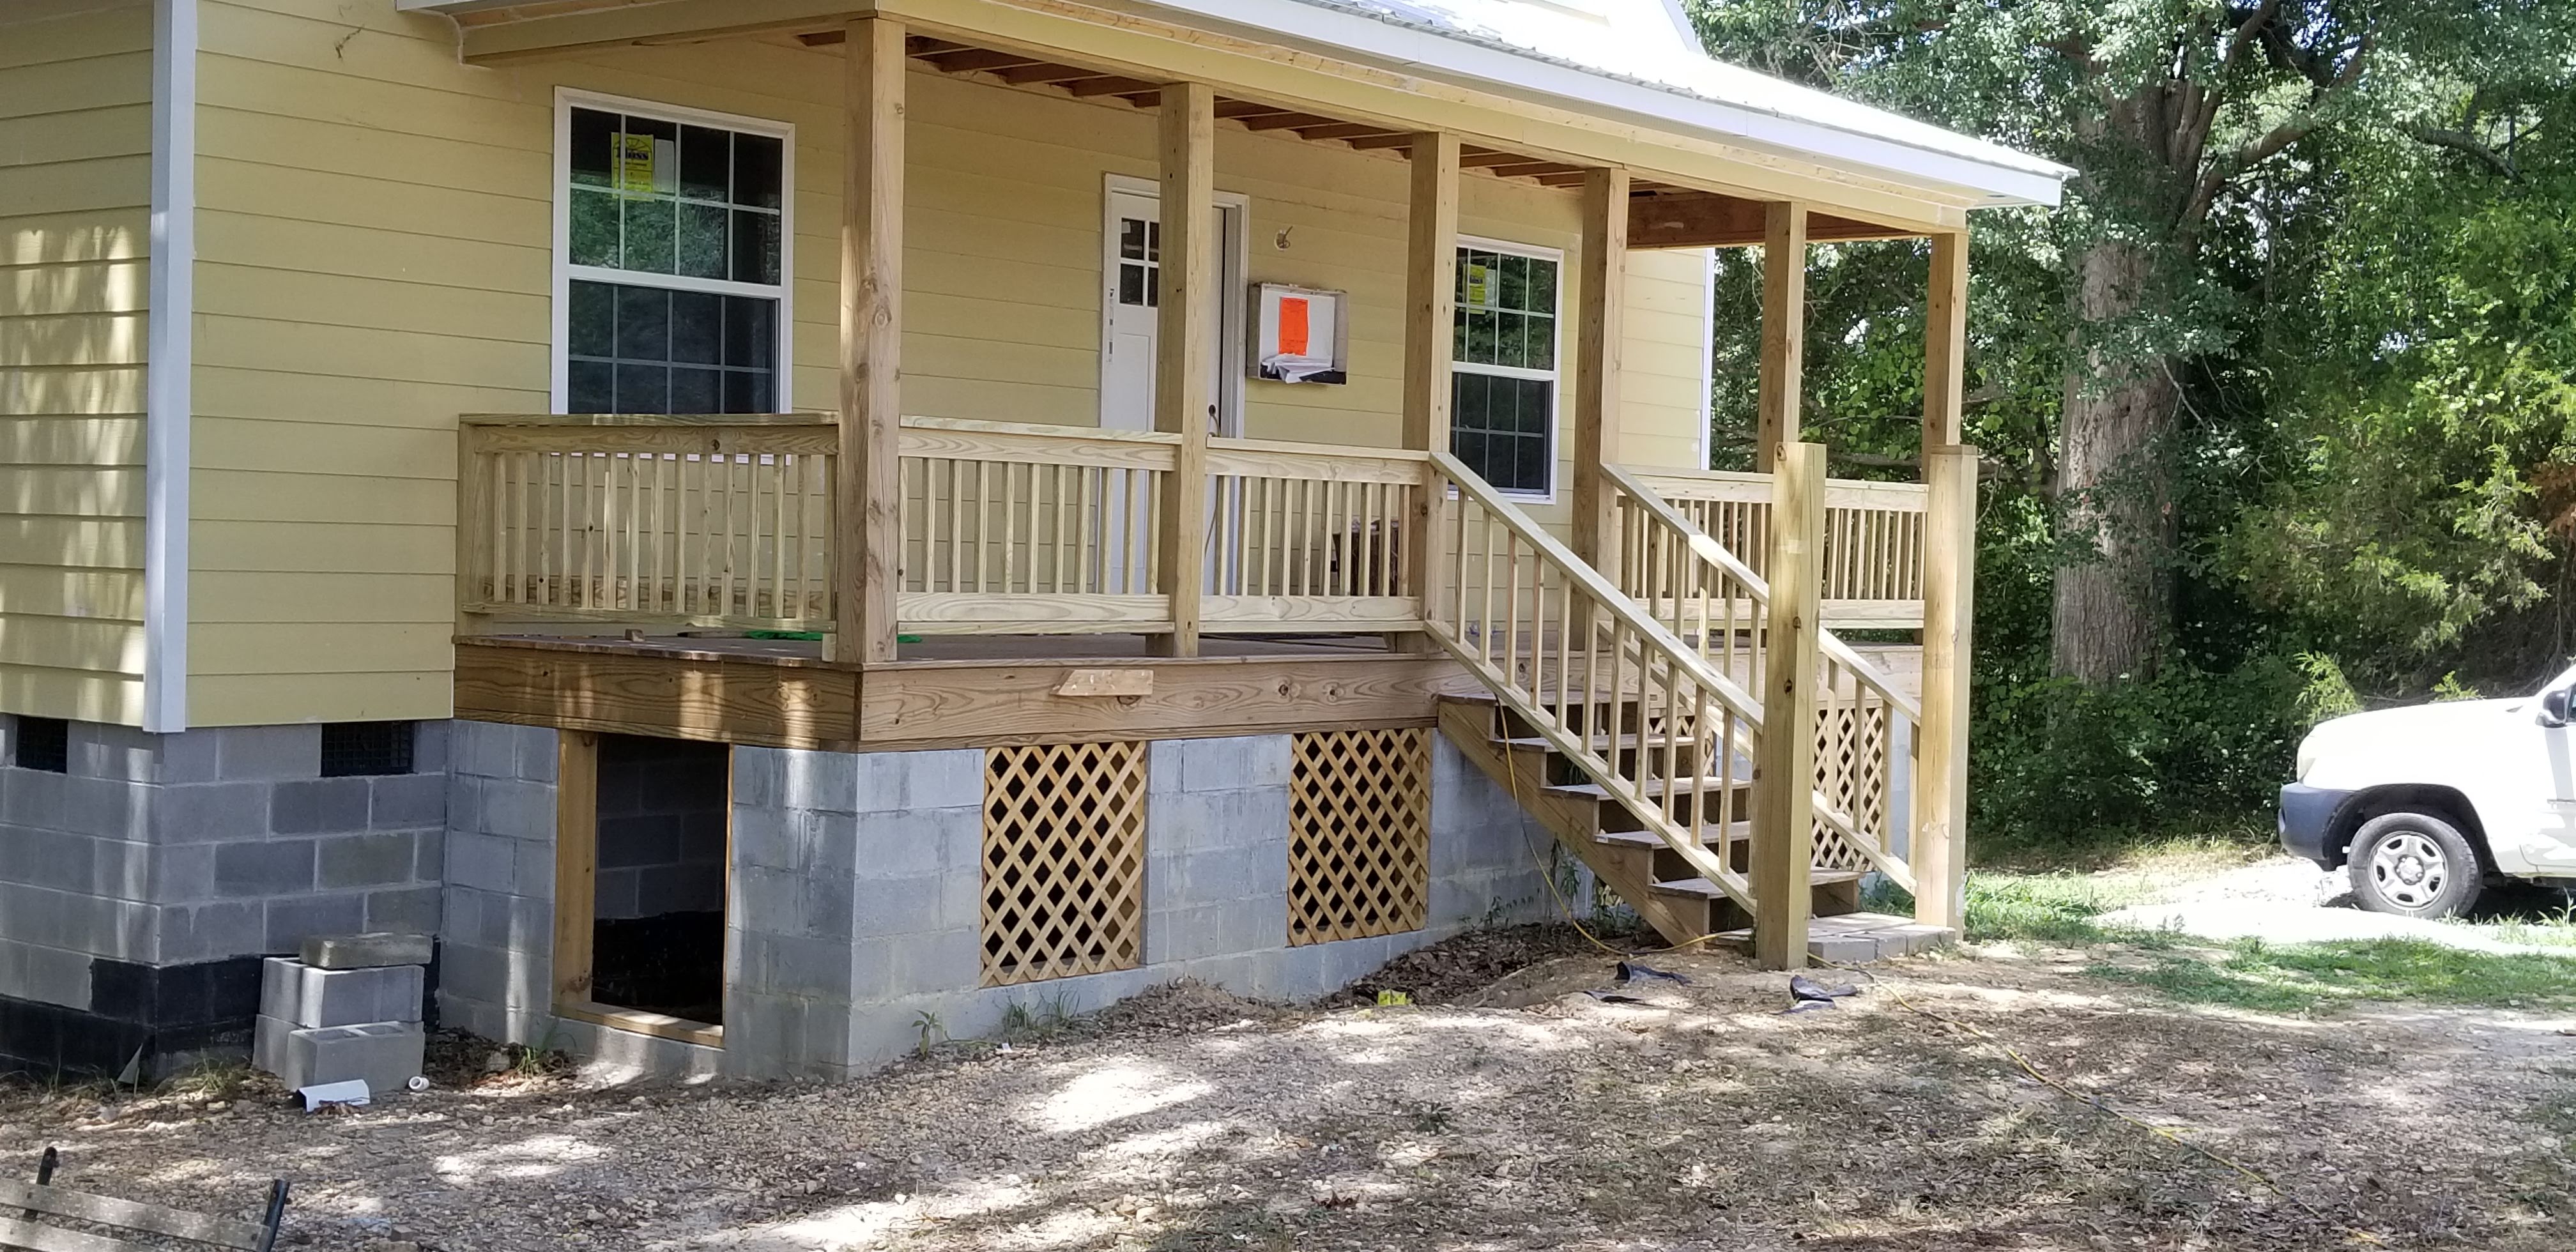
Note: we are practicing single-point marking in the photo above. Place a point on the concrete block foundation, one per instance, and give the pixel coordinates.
(854, 906)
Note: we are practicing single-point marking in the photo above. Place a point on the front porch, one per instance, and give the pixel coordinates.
(925, 567)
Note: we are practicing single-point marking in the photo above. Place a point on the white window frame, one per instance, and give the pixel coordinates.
(782, 395)
(1555, 378)
(1233, 261)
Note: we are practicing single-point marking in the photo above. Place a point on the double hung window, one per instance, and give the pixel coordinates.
(1503, 373)
(674, 265)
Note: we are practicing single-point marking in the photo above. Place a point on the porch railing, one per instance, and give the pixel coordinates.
(1873, 538)
(726, 522)
(647, 521)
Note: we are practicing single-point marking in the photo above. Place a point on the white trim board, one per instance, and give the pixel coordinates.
(170, 359)
(783, 396)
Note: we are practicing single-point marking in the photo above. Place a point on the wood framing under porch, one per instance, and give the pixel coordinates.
(976, 691)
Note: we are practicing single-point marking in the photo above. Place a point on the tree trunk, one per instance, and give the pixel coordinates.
(2115, 483)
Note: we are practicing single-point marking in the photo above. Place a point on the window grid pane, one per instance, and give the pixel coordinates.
(690, 200)
(1501, 418)
(653, 350)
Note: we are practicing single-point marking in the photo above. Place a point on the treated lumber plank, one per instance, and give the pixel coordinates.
(1182, 401)
(1784, 322)
(1785, 770)
(129, 1214)
(868, 489)
(1597, 349)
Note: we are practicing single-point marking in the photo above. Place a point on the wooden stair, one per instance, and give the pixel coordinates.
(1681, 905)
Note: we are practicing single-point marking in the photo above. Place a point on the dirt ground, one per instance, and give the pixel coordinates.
(1512, 1109)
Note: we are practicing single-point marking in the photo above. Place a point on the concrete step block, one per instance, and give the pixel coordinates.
(387, 1055)
(365, 951)
(293, 991)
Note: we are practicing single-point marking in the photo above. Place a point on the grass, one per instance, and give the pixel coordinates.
(2309, 977)
(2058, 895)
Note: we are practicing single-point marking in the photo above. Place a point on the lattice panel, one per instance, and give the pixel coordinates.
(1851, 773)
(1064, 860)
(1359, 834)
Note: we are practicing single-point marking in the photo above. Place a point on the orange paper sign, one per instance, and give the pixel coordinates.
(1292, 326)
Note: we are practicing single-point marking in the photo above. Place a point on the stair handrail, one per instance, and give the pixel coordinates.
(1703, 547)
(1632, 634)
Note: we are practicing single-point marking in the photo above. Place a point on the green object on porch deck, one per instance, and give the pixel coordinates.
(810, 636)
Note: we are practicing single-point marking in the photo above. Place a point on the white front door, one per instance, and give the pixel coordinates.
(1131, 316)
(1130, 343)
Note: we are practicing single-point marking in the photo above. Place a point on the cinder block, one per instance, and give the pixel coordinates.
(191, 756)
(272, 867)
(100, 750)
(386, 1055)
(376, 859)
(319, 805)
(759, 775)
(482, 749)
(47, 858)
(407, 801)
(311, 997)
(33, 798)
(412, 909)
(111, 808)
(538, 750)
(810, 967)
(268, 753)
(292, 920)
(206, 932)
(820, 780)
(33, 971)
(483, 862)
(365, 951)
(181, 873)
(119, 869)
(211, 812)
(910, 844)
(518, 810)
(429, 855)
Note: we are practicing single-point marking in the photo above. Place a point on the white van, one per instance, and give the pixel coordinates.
(2427, 804)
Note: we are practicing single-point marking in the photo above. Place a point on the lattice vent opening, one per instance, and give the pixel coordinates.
(1359, 834)
(1064, 860)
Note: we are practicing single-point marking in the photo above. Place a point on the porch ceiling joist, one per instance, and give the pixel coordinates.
(1028, 70)
(1673, 218)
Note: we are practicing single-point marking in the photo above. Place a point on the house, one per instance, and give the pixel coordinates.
(769, 524)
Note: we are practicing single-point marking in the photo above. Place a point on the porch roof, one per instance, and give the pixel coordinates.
(1636, 59)
(1649, 48)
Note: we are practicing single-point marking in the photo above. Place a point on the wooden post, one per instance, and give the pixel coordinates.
(1938, 851)
(867, 500)
(1182, 401)
(1596, 362)
(1431, 305)
(1784, 769)
(1945, 344)
(1784, 325)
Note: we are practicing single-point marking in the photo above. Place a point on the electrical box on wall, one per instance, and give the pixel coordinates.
(1300, 334)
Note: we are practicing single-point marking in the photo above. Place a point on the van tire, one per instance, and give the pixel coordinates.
(2414, 865)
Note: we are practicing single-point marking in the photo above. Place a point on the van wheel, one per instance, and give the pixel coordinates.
(2414, 865)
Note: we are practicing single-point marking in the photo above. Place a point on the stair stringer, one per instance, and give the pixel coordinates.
(1470, 726)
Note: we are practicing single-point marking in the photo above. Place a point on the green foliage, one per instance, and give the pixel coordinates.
(2372, 325)
(2328, 693)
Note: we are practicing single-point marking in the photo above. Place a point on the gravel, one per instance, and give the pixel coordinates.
(1689, 1116)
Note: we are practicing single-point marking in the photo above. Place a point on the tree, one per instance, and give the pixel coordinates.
(2170, 110)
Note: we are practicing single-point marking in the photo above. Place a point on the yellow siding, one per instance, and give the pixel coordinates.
(375, 257)
(75, 202)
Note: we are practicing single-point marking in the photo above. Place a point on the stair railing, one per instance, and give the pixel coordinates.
(1643, 714)
(1711, 600)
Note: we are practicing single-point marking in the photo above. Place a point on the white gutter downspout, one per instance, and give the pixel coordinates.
(169, 362)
